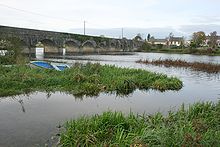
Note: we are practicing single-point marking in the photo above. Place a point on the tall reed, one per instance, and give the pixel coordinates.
(198, 66)
(197, 125)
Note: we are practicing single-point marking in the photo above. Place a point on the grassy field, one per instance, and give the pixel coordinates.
(195, 126)
(88, 79)
(198, 66)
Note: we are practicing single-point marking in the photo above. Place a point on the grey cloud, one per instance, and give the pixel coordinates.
(189, 29)
(206, 19)
(130, 32)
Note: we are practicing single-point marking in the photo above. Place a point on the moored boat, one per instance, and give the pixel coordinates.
(47, 65)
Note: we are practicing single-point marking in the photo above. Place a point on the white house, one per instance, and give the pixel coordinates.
(176, 41)
(158, 41)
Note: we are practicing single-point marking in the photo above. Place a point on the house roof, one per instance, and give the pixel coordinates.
(158, 40)
(176, 39)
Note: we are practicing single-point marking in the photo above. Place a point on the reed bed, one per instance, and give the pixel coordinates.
(198, 66)
(198, 125)
(82, 79)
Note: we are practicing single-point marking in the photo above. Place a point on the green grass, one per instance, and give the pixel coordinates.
(88, 79)
(198, 125)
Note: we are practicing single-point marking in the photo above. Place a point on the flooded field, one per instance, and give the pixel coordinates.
(32, 120)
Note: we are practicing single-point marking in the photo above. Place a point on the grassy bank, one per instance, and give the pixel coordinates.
(198, 126)
(198, 66)
(88, 79)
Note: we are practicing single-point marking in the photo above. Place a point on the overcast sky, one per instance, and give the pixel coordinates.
(103, 17)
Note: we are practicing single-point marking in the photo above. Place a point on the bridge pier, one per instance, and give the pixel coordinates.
(39, 51)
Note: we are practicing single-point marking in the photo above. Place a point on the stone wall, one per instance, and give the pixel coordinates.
(57, 40)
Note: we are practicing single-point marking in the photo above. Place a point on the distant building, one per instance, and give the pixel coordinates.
(158, 41)
(176, 41)
(206, 42)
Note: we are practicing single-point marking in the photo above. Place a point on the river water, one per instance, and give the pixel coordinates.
(32, 120)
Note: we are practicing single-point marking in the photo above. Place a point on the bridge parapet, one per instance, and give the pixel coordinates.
(54, 41)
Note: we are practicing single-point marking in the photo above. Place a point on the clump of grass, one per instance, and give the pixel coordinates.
(205, 67)
(82, 79)
(199, 125)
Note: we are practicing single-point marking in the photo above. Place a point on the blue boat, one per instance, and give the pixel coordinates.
(62, 67)
(47, 65)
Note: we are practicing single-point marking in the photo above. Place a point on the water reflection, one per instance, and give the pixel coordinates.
(31, 119)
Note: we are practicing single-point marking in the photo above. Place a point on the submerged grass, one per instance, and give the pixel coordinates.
(205, 67)
(199, 125)
(82, 79)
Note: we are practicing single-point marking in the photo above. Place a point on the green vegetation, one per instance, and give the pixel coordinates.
(88, 79)
(206, 67)
(83, 38)
(194, 51)
(197, 39)
(199, 125)
(13, 46)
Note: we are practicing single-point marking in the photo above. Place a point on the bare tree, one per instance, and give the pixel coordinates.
(213, 39)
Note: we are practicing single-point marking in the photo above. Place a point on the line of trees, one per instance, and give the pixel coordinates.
(199, 38)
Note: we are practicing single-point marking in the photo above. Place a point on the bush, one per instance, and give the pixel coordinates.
(193, 45)
(146, 46)
(13, 46)
(159, 46)
(174, 47)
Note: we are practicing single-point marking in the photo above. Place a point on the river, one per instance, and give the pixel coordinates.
(31, 120)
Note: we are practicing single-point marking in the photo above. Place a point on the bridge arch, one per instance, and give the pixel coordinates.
(72, 46)
(90, 43)
(24, 46)
(118, 44)
(112, 45)
(89, 46)
(50, 47)
(102, 47)
(102, 44)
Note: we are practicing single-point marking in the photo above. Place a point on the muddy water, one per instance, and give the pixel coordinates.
(32, 120)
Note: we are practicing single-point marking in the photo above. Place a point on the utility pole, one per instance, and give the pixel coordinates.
(122, 33)
(84, 27)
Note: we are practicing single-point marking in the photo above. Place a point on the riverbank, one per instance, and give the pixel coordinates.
(197, 125)
(82, 79)
(185, 51)
(198, 66)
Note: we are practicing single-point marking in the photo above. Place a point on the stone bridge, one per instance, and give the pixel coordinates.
(55, 42)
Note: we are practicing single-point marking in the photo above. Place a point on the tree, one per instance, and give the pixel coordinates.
(198, 38)
(170, 35)
(169, 38)
(213, 39)
(146, 46)
(148, 37)
(13, 46)
(4, 44)
(138, 37)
